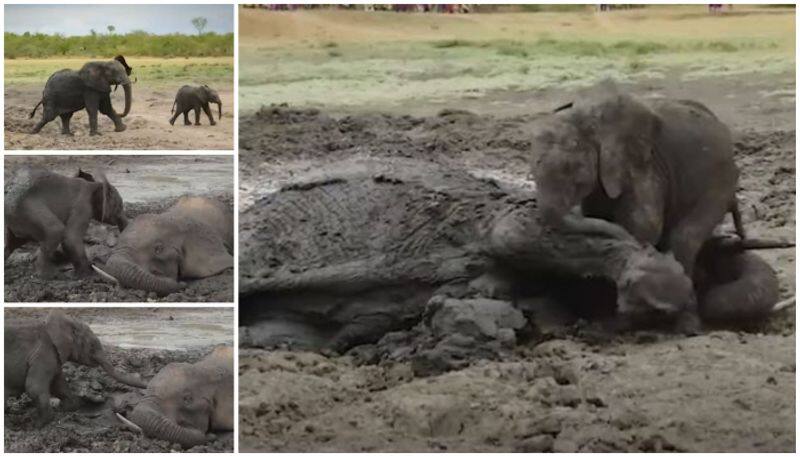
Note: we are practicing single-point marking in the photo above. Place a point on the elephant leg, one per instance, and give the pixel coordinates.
(60, 390)
(12, 243)
(37, 386)
(74, 247)
(207, 110)
(51, 230)
(197, 115)
(48, 114)
(106, 108)
(92, 99)
(186, 117)
(65, 118)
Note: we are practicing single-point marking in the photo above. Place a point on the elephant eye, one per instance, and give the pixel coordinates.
(159, 249)
(187, 399)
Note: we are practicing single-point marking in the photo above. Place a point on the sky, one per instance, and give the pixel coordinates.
(70, 20)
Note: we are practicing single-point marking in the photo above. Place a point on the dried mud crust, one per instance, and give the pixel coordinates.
(22, 284)
(147, 125)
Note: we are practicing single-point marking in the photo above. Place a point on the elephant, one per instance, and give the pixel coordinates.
(184, 402)
(192, 239)
(35, 351)
(55, 210)
(68, 91)
(664, 171)
(194, 98)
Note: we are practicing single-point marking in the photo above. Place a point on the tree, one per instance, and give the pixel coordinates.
(200, 24)
(111, 29)
(93, 32)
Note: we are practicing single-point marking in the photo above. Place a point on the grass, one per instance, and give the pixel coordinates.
(380, 59)
(132, 44)
(149, 70)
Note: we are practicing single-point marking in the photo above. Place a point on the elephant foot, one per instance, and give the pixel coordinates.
(43, 418)
(83, 272)
(95, 133)
(187, 123)
(120, 128)
(68, 133)
(213, 123)
(688, 323)
(196, 123)
(46, 270)
(172, 122)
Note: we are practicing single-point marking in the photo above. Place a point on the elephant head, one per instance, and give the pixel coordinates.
(603, 144)
(100, 76)
(107, 205)
(75, 342)
(155, 250)
(184, 402)
(654, 283)
(212, 97)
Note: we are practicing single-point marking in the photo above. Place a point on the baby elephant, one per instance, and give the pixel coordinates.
(35, 351)
(55, 210)
(184, 402)
(194, 98)
(192, 239)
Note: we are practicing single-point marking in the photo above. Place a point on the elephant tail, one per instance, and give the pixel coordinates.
(740, 287)
(35, 108)
(173, 105)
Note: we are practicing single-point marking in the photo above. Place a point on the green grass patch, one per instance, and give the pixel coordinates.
(36, 46)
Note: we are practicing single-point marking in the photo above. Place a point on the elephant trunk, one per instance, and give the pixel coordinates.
(128, 99)
(129, 274)
(154, 424)
(219, 106)
(123, 378)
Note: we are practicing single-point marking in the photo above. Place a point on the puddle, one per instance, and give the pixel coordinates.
(184, 331)
(155, 182)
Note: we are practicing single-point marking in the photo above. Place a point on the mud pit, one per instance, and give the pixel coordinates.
(128, 336)
(147, 124)
(568, 388)
(147, 184)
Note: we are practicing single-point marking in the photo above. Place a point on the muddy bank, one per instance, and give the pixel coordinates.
(147, 125)
(559, 385)
(147, 185)
(94, 427)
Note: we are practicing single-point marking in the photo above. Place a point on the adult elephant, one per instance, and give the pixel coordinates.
(192, 239)
(68, 91)
(184, 402)
(663, 170)
(34, 352)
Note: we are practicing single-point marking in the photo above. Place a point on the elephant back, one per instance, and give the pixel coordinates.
(22, 180)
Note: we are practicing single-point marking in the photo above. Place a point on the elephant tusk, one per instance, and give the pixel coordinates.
(129, 424)
(105, 275)
(784, 303)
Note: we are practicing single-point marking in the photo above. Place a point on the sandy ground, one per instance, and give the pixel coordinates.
(721, 391)
(147, 125)
(140, 340)
(147, 184)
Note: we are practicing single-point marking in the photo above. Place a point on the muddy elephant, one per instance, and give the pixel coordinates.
(192, 239)
(185, 402)
(195, 98)
(68, 91)
(663, 170)
(35, 352)
(55, 210)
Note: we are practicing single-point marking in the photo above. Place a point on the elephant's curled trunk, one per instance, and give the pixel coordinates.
(128, 99)
(129, 274)
(121, 377)
(154, 424)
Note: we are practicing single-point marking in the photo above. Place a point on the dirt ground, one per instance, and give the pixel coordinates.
(724, 390)
(152, 339)
(147, 124)
(147, 184)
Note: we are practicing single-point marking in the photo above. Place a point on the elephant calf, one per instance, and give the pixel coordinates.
(184, 402)
(195, 98)
(35, 351)
(55, 210)
(68, 91)
(192, 239)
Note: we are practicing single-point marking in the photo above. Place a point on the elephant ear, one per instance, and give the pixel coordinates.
(61, 330)
(204, 255)
(84, 175)
(96, 76)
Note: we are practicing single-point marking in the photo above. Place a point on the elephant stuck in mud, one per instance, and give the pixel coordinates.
(68, 91)
(185, 402)
(192, 239)
(55, 210)
(195, 98)
(35, 352)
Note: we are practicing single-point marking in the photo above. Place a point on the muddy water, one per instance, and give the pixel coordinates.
(152, 182)
(193, 329)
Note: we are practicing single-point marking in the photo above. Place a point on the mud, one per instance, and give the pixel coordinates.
(147, 125)
(561, 384)
(147, 184)
(94, 427)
